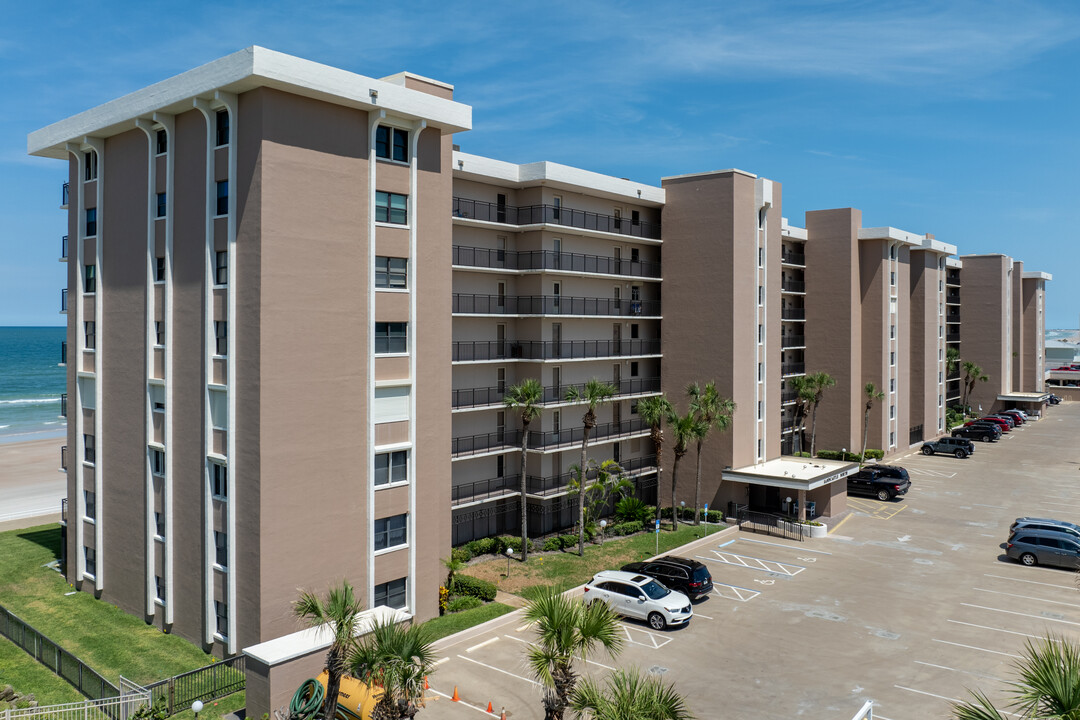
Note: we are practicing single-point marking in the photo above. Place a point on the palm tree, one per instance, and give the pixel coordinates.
(804, 397)
(609, 481)
(653, 411)
(972, 374)
(1048, 685)
(397, 658)
(819, 382)
(339, 613)
(872, 394)
(567, 629)
(594, 393)
(952, 357)
(525, 397)
(629, 694)
(713, 411)
(685, 428)
(453, 566)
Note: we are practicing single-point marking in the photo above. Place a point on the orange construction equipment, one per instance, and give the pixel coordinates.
(491, 710)
(455, 698)
(426, 686)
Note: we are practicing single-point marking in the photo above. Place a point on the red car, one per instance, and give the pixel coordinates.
(1003, 424)
(1015, 414)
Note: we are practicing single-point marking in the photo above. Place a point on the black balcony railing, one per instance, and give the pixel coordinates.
(63, 300)
(63, 405)
(63, 509)
(793, 313)
(952, 296)
(793, 341)
(64, 247)
(478, 397)
(554, 215)
(633, 467)
(64, 195)
(797, 286)
(63, 352)
(551, 260)
(952, 337)
(471, 350)
(542, 440)
(63, 466)
(952, 317)
(484, 489)
(788, 396)
(552, 305)
(793, 368)
(483, 442)
(787, 424)
(793, 258)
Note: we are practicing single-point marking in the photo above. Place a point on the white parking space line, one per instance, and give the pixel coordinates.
(1057, 504)
(1026, 597)
(483, 644)
(1032, 582)
(500, 670)
(697, 614)
(966, 672)
(654, 640)
(1011, 632)
(797, 548)
(1029, 615)
(460, 702)
(952, 700)
(440, 661)
(996, 507)
(753, 563)
(741, 594)
(972, 647)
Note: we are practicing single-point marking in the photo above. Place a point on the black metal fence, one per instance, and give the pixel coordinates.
(206, 683)
(552, 260)
(473, 303)
(476, 350)
(84, 678)
(633, 226)
(769, 524)
(915, 435)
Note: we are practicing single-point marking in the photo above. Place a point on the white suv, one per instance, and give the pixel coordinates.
(641, 597)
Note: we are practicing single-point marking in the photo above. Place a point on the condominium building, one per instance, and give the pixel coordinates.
(295, 311)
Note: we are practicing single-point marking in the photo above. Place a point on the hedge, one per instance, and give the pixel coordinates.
(715, 516)
(626, 528)
(849, 457)
(465, 602)
(468, 585)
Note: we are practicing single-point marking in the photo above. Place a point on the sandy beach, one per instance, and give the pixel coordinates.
(31, 482)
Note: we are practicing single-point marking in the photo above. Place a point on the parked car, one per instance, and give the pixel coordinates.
(1061, 526)
(1033, 547)
(1015, 414)
(1007, 418)
(873, 482)
(690, 577)
(985, 433)
(893, 471)
(960, 447)
(1000, 422)
(1023, 413)
(639, 596)
(1054, 399)
(999, 428)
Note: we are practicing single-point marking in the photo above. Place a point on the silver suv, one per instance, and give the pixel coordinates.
(641, 597)
(1061, 526)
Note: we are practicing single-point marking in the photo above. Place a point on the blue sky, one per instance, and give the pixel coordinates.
(954, 118)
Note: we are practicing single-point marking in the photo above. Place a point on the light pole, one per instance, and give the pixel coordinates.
(787, 501)
(603, 524)
(509, 554)
(196, 707)
(682, 506)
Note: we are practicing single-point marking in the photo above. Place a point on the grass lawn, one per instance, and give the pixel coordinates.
(565, 569)
(104, 637)
(445, 625)
(27, 675)
(215, 709)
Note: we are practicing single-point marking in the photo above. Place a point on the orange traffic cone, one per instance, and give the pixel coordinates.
(491, 710)
(426, 686)
(455, 698)
(503, 716)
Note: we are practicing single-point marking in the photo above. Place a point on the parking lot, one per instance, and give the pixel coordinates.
(907, 603)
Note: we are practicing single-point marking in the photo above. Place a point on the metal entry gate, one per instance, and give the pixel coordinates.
(769, 524)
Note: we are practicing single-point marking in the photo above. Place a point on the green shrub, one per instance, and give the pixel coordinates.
(626, 528)
(630, 509)
(802, 454)
(568, 541)
(875, 454)
(468, 585)
(461, 553)
(847, 457)
(483, 546)
(552, 544)
(505, 541)
(466, 602)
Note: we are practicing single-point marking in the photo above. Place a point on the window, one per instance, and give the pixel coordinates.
(892, 384)
(391, 337)
(940, 400)
(761, 257)
(157, 461)
(89, 278)
(892, 357)
(159, 269)
(157, 398)
(500, 465)
(633, 368)
(618, 219)
(221, 613)
(760, 295)
(391, 467)
(223, 127)
(892, 412)
(391, 594)
(221, 268)
(556, 202)
(758, 409)
(556, 292)
(219, 481)
(940, 376)
(892, 252)
(760, 333)
(89, 499)
(223, 197)
(892, 439)
(635, 255)
(892, 278)
(391, 272)
(221, 548)
(892, 331)
(91, 170)
(91, 222)
(88, 448)
(635, 217)
(162, 142)
(392, 143)
(635, 331)
(221, 337)
(392, 404)
(161, 205)
(159, 524)
(159, 588)
(760, 371)
(391, 208)
(90, 560)
(159, 332)
(391, 532)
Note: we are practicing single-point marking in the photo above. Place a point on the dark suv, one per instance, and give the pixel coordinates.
(873, 482)
(985, 433)
(958, 446)
(690, 577)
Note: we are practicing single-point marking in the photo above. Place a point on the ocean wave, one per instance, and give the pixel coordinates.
(31, 401)
(4, 426)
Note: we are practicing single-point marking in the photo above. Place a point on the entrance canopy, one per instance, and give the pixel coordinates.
(795, 473)
(1024, 397)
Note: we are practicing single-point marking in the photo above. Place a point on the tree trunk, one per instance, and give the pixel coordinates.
(657, 439)
(524, 493)
(865, 433)
(333, 683)
(813, 431)
(674, 505)
(697, 487)
(590, 420)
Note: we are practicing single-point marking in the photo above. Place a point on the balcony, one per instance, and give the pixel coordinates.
(551, 260)
(488, 350)
(63, 300)
(787, 424)
(63, 405)
(63, 457)
(788, 257)
(793, 313)
(543, 440)
(793, 341)
(63, 248)
(953, 337)
(952, 317)
(553, 215)
(468, 304)
(952, 297)
(544, 486)
(793, 368)
(480, 397)
(794, 286)
(481, 490)
(485, 442)
(63, 353)
(64, 196)
(788, 396)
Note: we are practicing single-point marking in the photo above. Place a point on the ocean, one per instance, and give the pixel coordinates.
(31, 382)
